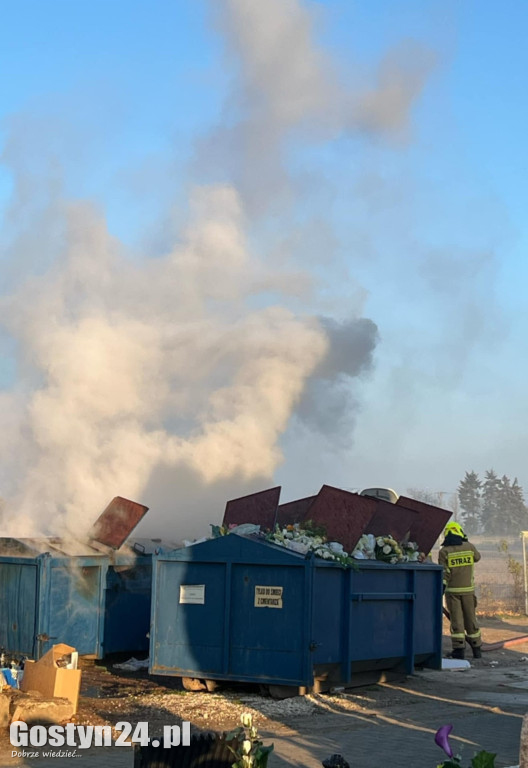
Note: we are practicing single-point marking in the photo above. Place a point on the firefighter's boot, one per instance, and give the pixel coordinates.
(457, 653)
(477, 653)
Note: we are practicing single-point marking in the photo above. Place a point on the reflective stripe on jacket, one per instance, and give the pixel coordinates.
(458, 561)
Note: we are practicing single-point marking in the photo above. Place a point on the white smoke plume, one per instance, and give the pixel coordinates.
(114, 352)
(288, 87)
(170, 380)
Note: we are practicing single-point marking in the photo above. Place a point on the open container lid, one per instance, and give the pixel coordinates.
(345, 515)
(117, 522)
(257, 508)
(428, 524)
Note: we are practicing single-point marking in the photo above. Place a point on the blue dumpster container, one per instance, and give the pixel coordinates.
(127, 606)
(239, 608)
(97, 603)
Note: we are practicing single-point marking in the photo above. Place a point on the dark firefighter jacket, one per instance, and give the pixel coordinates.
(458, 561)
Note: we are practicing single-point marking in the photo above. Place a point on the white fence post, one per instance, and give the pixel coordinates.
(523, 750)
(524, 534)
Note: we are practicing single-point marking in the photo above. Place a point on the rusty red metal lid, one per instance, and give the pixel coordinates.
(390, 520)
(428, 524)
(344, 515)
(258, 508)
(294, 511)
(117, 522)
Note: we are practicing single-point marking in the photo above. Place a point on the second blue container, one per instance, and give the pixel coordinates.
(99, 604)
(239, 608)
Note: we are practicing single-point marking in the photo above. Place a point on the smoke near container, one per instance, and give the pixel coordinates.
(170, 379)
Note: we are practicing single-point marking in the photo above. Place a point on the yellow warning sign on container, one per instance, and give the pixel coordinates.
(268, 597)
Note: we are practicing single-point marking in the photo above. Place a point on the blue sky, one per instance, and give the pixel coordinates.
(145, 76)
(115, 97)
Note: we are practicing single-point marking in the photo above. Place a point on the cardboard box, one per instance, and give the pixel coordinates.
(50, 680)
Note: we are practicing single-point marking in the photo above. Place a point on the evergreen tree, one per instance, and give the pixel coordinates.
(514, 515)
(470, 501)
(494, 494)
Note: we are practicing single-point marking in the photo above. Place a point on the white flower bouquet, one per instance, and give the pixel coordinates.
(365, 549)
(307, 538)
(248, 749)
(388, 550)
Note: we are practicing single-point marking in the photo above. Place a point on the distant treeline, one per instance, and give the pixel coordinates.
(494, 505)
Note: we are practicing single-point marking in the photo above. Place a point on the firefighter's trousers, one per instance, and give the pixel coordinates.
(462, 608)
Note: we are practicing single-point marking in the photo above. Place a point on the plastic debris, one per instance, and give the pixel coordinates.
(132, 665)
(455, 664)
(187, 543)
(245, 529)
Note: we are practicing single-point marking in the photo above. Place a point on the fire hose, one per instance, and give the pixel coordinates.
(494, 646)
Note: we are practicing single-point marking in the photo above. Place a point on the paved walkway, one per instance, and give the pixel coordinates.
(400, 741)
(396, 741)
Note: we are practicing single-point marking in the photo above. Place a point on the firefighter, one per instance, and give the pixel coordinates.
(458, 556)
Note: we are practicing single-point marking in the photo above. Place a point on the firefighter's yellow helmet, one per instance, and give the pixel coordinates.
(455, 528)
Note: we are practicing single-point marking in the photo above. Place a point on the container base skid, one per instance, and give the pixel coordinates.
(326, 678)
(323, 684)
(365, 673)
